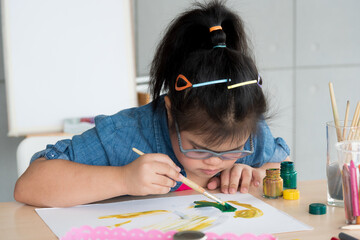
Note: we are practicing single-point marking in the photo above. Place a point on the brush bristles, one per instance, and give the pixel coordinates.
(229, 208)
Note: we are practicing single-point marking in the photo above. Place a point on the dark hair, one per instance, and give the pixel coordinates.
(188, 48)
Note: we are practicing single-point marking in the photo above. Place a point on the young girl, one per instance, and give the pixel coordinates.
(208, 127)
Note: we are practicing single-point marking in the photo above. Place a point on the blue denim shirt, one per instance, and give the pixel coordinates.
(111, 141)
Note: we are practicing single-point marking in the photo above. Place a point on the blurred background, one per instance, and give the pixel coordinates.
(299, 46)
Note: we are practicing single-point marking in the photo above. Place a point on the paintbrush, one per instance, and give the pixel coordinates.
(335, 112)
(351, 227)
(198, 188)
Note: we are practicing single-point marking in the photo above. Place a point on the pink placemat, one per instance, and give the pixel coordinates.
(102, 233)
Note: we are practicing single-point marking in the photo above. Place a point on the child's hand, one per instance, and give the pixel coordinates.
(239, 176)
(150, 174)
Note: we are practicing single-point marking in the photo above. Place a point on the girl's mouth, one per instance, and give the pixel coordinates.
(209, 171)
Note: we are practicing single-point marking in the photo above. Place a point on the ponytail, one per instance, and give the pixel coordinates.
(218, 37)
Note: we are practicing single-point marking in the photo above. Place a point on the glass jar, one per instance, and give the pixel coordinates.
(273, 183)
(288, 174)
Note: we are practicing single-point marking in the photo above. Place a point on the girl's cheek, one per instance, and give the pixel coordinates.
(230, 163)
(185, 161)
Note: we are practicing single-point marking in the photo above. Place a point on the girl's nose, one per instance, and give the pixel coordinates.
(212, 161)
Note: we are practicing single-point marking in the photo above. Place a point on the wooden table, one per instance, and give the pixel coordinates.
(19, 221)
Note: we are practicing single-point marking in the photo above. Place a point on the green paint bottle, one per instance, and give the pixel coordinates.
(288, 174)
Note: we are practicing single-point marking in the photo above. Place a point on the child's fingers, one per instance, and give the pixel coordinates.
(235, 176)
(225, 178)
(257, 177)
(163, 181)
(164, 159)
(167, 170)
(157, 189)
(246, 177)
(213, 183)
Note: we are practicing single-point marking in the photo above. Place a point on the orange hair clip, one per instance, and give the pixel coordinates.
(188, 83)
(214, 28)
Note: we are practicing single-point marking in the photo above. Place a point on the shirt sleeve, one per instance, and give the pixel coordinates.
(266, 148)
(60, 150)
(86, 148)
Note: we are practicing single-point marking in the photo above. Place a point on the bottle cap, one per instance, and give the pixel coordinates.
(291, 194)
(317, 208)
(287, 166)
(189, 235)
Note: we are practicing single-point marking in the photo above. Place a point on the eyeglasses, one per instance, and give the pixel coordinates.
(204, 154)
(228, 81)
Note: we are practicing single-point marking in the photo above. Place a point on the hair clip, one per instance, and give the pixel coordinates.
(189, 84)
(214, 28)
(258, 82)
(221, 45)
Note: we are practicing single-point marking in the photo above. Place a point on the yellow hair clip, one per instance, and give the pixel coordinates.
(258, 81)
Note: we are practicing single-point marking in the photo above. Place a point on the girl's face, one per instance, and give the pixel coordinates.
(201, 170)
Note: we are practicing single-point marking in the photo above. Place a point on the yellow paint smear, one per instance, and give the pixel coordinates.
(251, 212)
(123, 223)
(135, 214)
(119, 224)
(195, 223)
(201, 225)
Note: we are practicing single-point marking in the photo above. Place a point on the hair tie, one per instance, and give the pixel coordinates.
(214, 28)
(221, 45)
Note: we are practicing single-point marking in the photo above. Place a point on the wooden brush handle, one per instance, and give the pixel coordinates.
(193, 185)
(335, 112)
(201, 190)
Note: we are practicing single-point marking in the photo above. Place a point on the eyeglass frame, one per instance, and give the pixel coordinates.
(216, 154)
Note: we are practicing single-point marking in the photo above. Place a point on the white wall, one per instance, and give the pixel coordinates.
(300, 46)
(8, 172)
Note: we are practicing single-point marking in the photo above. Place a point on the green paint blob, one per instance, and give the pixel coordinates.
(226, 208)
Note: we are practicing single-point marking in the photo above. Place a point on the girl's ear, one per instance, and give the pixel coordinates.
(168, 109)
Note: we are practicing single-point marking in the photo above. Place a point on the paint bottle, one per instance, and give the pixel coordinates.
(273, 183)
(288, 174)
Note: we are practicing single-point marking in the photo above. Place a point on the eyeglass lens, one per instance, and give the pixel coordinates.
(204, 155)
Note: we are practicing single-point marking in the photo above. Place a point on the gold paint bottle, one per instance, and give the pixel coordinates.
(273, 183)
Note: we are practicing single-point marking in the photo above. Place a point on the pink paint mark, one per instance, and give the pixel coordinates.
(183, 187)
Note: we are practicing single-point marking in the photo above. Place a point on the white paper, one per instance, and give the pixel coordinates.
(61, 220)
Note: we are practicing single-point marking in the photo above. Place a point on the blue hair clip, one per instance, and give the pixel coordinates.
(210, 83)
(221, 45)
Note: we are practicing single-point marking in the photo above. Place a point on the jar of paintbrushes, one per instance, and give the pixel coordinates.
(349, 163)
(338, 131)
(348, 154)
(333, 171)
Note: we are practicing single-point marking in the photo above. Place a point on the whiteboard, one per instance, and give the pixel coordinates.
(66, 59)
